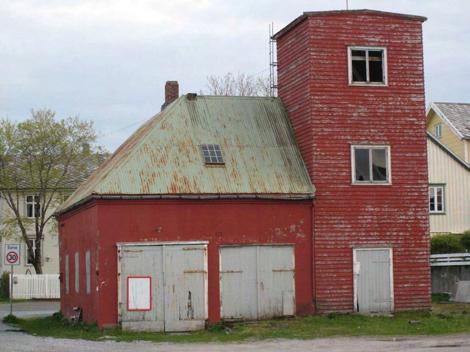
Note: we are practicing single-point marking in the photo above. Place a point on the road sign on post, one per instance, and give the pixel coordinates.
(12, 254)
(12, 258)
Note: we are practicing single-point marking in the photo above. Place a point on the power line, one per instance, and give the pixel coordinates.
(108, 134)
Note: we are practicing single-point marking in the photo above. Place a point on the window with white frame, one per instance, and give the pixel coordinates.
(370, 164)
(436, 199)
(33, 206)
(367, 65)
(438, 130)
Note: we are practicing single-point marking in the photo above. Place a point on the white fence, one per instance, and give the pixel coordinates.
(450, 259)
(45, 286)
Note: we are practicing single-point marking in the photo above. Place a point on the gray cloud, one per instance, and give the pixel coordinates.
(107, 61)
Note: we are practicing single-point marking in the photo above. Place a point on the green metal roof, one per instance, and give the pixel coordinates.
(163, 157)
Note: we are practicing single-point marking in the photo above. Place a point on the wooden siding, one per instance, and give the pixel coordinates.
(101, 224)
(328, 117)
(443, 169)
(449, 138)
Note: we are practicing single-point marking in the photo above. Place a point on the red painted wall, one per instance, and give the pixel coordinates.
(219, 222)
(329, 116)
(78, 232)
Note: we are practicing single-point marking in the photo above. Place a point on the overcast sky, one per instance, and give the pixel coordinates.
(107, 60)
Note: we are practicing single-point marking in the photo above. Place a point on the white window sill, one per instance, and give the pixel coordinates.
(365, 84)
(371, 184)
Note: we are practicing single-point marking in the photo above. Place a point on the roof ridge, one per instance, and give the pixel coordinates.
(234, 96)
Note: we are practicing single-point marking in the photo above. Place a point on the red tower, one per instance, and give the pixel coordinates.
(353, 86)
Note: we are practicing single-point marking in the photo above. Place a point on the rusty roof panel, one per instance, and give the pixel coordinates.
(164, 156)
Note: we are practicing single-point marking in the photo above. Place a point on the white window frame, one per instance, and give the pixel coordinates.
(438, 130)
(33, 204)
(435, 187)
(384, 68)
(371, 147)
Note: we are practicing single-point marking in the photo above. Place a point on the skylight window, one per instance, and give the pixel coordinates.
(212, 154)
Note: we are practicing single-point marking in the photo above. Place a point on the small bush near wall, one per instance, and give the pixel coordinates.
(444, 244)
(4, 286)
(466, 240)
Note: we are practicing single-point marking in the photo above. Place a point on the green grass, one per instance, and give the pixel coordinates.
(446, 318)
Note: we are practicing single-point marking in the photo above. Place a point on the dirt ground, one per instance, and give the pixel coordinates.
(16, 341)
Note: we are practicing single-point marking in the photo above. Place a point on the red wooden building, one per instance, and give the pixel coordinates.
(209, 211)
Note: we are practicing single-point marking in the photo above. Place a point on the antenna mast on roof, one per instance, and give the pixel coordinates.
(347, 4)
(272, 63)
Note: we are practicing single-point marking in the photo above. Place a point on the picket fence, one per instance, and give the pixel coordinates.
(44, 286)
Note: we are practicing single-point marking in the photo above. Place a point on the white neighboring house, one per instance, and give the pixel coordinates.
(28, 205)
(449, 189)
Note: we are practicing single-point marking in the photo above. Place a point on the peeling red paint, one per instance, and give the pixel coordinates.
(219, 222)
(328, 116)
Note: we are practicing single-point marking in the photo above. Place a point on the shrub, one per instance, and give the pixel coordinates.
(10, 319)
(443, 244)
(5, 285)
(440, 297)
(465, 240)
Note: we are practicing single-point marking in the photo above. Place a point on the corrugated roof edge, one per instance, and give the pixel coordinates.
(448, 151)
(307, 14)
(130, 141)
(435, 106)
(263, 196)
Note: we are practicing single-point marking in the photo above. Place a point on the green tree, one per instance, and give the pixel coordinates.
(48, 158)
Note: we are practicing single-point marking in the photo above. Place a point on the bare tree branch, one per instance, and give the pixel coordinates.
(238, 85)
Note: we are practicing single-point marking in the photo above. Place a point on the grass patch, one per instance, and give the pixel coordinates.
(446, 318)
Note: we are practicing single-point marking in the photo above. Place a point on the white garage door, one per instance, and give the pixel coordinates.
(163, 287)
(257, 282)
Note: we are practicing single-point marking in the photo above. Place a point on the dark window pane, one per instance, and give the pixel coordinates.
(358, 53)
(361, 158)
(379, 164)
(375, 54)
(376, 71)
(439, 199)
(359, 71)
(432, 201)
(29, 210)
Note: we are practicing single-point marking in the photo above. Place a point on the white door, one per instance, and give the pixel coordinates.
(141, 306)
(185, 287)
(373, 280)
(163, 287)
(257, 281)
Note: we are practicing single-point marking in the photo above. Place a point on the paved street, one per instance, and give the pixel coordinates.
(15, 341)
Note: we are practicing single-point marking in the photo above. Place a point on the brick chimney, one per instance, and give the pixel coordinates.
(171, 93)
